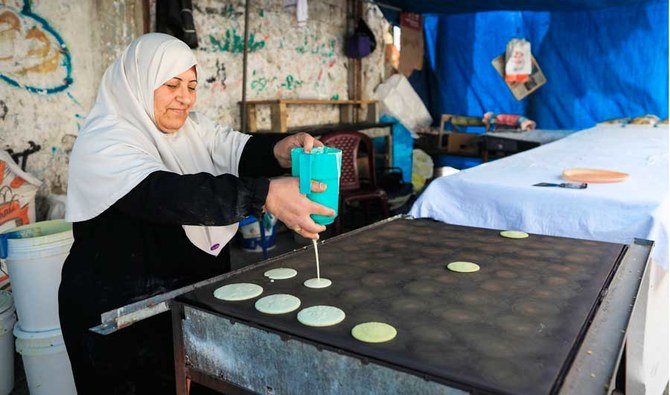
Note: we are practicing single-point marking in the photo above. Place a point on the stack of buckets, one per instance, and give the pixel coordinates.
(35, 255)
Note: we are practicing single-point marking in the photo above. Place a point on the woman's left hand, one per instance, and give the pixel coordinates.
(282, 149)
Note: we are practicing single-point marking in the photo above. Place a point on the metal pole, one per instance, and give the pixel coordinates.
(243, 110)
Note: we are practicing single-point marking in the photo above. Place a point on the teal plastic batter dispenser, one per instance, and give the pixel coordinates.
(323, 164)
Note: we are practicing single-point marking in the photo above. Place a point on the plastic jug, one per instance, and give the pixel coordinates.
(323, 164)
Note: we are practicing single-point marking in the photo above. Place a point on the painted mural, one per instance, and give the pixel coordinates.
(33, 56)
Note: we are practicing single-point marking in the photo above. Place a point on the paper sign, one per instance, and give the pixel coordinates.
(521, 89)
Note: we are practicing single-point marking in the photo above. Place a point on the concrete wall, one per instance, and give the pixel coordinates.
(53, 54)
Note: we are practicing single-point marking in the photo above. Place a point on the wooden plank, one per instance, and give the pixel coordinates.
(373, 112)
(443, 120)
(279, 117)
(347, 113)
(252, 125)
(310, 101)
(317, 130)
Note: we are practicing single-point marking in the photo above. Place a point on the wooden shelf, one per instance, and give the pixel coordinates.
(318, 130)
(310, 101)
(279, 116)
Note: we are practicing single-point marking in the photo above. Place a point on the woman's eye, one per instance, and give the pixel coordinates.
(191, 88)
(171, 86)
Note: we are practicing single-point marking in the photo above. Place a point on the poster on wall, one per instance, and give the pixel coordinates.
(521, 89)
(411, 43)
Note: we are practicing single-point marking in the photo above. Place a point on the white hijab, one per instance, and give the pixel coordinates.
(120, 144)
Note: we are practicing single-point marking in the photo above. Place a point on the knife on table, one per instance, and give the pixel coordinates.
(571, 185)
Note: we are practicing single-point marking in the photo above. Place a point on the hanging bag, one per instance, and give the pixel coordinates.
(362, 43)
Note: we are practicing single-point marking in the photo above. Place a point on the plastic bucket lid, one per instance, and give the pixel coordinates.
(32, 237)
(38, 343)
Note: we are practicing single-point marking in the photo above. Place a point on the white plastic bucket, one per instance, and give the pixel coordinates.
(45, 361)
(7, 320)
(34, 263)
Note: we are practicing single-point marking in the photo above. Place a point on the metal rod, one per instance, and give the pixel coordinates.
(244, 67)
(113, 320)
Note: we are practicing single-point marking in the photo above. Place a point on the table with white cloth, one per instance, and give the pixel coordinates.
(501, 195)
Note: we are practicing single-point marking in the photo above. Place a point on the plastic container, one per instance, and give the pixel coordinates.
(251, 233)
(35, 256)
(7, 320)
(323, 164)
(45, 361)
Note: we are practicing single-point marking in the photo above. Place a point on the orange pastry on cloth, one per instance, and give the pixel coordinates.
(594, 176)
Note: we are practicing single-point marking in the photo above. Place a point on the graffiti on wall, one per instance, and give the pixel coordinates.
(217, 82)
(313, 45)
(232, 41)
(260, 83)
(33, 56)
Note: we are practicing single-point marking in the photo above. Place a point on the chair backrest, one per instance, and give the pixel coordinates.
(348, 142)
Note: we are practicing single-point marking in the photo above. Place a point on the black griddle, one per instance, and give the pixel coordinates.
(511, 327)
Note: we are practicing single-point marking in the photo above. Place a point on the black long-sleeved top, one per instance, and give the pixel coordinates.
(137, 248)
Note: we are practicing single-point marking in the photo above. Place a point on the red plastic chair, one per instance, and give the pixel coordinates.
(351, 188)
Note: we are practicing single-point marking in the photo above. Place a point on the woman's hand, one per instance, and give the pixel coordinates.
(285, 202)
(282, 149)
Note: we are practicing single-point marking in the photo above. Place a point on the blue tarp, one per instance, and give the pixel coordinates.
(460, 6)
(599, 64)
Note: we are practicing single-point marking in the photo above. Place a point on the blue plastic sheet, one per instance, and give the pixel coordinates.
(460, 6)
(599, 64)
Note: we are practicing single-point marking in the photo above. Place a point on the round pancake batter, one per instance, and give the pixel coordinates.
(238, 291)
(319, 316)
(318, 283)
(463, 267)
(281, 273)
(374, 332)
(513, 234)
(277, 304)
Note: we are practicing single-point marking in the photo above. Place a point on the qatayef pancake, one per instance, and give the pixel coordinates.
(321, 316)
(281, 273)
(463, 267)
(277, 304)
(318, 283)
(239, 291)
(513, 234)
(374, 332)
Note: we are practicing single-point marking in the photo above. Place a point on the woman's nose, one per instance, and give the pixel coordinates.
(184, 96)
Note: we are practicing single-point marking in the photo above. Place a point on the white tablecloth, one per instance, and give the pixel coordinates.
(500, 195)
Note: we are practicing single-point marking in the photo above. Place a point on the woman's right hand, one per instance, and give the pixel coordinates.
(285, 202)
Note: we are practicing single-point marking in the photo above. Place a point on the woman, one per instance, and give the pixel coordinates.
(155, 193)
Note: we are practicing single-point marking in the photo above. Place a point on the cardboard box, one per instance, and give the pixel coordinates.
(463, 143)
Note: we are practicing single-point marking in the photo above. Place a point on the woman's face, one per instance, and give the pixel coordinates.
(173, 101)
